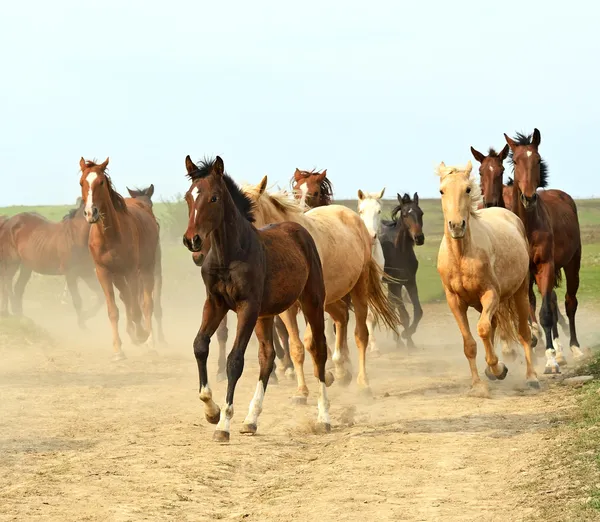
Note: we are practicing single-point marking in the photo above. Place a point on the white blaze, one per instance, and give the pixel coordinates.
(195, 193)
(90, 178)
(529, 153)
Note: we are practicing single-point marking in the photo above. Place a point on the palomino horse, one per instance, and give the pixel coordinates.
(496, 194)
(369, 210)
(552, 227)
(483, 262)
(123, 241)
(34, 244)
(348, 268)
(398, 239)
(145, 195)
(256, 273)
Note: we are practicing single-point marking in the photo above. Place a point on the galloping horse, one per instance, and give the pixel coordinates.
(256, 273)
(348, 269)
(398, 239)
(312, 188)
(123, 242)
(554, 238)
(31, 243)
(145, 195)
(497, 194)
(483, 262)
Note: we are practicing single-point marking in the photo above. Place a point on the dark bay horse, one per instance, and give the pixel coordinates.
(554, 236)
(497, 194)
(123, 242)
(398, 238)
(32, 243)
(145, 196)
(257, 274)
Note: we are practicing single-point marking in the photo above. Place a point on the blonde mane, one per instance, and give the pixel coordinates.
(270, 203)
(476, 196)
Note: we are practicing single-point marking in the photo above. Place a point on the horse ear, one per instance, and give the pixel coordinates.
(82, 164)
(132, 193)
(219, 166)
(321, 176)
(504, 153)
(511, 143)
(262, 185)
(399, 198)
(381, 193)
(537, 138)
(104, 164)
(361, 195)
(477, 155)
(298, 175)
(468, 167)
(190, 166)
(416, 198)
(150, 190)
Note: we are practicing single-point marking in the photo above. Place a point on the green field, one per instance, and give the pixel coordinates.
(177, 264)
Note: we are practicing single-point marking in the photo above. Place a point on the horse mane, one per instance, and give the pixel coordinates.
(475, 194)
(326, 186)
(117, 200)
(73, 212)
(492, 152)
(279, 200)
(405, 200)
(243, 202)
(525, 139)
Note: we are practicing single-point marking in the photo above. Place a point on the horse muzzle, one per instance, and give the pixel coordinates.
(457, 230)
(194, 244)
(529, 203)
(419, 239)
(91, 215)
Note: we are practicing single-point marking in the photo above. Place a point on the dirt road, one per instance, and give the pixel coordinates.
(82, 438)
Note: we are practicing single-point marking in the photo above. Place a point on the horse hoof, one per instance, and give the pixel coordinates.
(221, 376)
(553, 369)
(273, 379)
(502, 376)
(323, 427)
(329, 378)
(489, 374)
(221, 436)
(560, 359)
(533, 384)
(534, 341)
(119, 356)
(213, 419)
(290, 374)
(344, 379)
(479, 391)
(248, 429)
(299, 400)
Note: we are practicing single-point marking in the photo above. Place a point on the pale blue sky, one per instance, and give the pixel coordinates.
(377, 92)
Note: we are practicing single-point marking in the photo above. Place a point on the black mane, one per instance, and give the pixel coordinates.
(243, 202)
(405, 201)
(492, 153)
(73, 212)
(326, 186)
(524, 139)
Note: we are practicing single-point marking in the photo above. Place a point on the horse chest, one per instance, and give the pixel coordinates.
(466, 281)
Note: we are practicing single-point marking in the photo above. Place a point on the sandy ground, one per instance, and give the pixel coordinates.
(82, 438)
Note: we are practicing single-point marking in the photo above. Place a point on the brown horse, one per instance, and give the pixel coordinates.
(256, 273)
(312, 188)
(123, 241)
(497, 194)
(31, 243)
(554, 238)
(145, 195)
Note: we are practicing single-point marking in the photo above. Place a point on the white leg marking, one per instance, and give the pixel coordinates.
(323, 405)
(225, 419)
(551, 362)
(577, 353)
(371, 329)
(256, 405)
(210, 407)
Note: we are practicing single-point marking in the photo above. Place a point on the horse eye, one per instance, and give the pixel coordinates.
(214, 199)
(102, 183)
(442, 192)
(316, 194)
(468, 190)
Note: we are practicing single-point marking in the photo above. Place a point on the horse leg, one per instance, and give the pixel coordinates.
(214, 312)
(560, 359)
(536, 331)
(157, 298)
(297, 353)
(396, 290)
(131, 292)
(22, 280)
(287, 366)
(247, 315)
(264, 331)
(148, 285)
(222, 334)
(93, 284)
(373, 348)
(413, 294)
(361, 333)
(486, 328)
(341, 357)
(544, 278)
(106, 281)
(572, 277)
(459, 310)
(71, 280)
(521, 301)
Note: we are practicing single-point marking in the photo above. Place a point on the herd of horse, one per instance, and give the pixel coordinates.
(267, 256)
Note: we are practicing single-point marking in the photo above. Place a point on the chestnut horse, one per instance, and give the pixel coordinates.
(32, 243)
(123, 242)
(258, 274)
(496, 194)
(552, 227)
(483, 262)
(145, 195)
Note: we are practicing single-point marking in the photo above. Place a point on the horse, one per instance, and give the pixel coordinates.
(497, 194)
(369, 210)
(145, 195)
(8, 267)
(123, 242)
(349, 269)
(257, 273)
(483, 262)
(398, 239)
(32, 243)
(312, 188)
(554, 236)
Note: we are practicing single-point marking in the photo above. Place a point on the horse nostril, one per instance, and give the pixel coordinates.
(464, 223)
(196, 240)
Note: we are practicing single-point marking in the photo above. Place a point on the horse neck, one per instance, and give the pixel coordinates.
(109, 226)
(233, 236)
(531, 219)
(459, 248)
(404, 242)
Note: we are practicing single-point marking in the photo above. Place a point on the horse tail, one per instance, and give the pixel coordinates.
(380, 305)
(507, 319)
